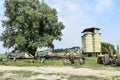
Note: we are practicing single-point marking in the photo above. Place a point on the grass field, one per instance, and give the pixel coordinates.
(25, 75)
(3, 55)
(90, 62)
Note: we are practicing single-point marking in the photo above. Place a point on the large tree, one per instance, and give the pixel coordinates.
(29, 25)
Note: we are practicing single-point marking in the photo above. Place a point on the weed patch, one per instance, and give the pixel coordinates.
(25, 73)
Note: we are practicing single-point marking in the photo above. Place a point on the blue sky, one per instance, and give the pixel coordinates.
(77, 15)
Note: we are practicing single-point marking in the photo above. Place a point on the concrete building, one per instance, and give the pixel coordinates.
(91, 42)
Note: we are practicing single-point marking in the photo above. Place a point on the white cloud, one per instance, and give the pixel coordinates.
(0, 23)
(70, 11)
(68, 5)
(75, 18)
(2, 9)
(58, 5)
(1, 27)
(1, 12)
(103, 5)
(1, 2)
(71, 6)
(2, 50)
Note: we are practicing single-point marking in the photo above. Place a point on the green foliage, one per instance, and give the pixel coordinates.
(75, 77)
(30, 25)
(76, 48)
(105, 47)
(90, 62)
(59, 50)
(23, 63)
(3, 55)
(24, 73)
(1, 73)
(9, 79)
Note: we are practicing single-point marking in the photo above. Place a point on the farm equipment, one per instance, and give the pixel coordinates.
(72, 59)
(21, 55)
(46, 56)
(109, 58)
(69, 57)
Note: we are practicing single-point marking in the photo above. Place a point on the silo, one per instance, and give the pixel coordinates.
(83, 43)
(88, 42)
(96, 42)
(91, 42)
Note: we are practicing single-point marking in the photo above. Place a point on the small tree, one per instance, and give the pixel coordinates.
(105, 47)
(30, 25)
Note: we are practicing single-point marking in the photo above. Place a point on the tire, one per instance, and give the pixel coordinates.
(72, 61)
(100, 60)
(1, 59)
(42, 60)
(64, 61)
(14, 59)
(118, 61)
(81, 61)
(106, 60)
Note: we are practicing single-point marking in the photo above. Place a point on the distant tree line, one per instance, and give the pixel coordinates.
(64, 50)
(104, 48)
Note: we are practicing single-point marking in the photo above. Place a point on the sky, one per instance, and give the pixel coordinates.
(77, 15)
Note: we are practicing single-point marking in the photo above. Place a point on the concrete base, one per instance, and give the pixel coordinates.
(91, 54)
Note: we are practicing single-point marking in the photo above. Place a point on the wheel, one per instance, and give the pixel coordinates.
(118, 60)
(64, 61)
(72, 61)
(100, 60)
(14, 59)
(81, 61)
(106, 60)
(1, 59)
(42, 60)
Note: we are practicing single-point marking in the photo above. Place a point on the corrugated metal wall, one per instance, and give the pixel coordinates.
(91, 42)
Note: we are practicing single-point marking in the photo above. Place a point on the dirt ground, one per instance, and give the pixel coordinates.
(62, 71)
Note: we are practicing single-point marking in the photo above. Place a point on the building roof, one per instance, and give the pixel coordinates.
(92, 29)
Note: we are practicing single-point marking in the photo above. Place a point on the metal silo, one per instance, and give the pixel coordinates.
(91, 42)
(96, 43)
(88, 42)
(83, 43)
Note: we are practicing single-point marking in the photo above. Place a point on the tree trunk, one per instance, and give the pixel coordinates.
(32, 51)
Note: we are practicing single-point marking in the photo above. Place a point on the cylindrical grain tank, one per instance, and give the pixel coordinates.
(83, 43)
(91, 43)
(96, 42)
(88, 42)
